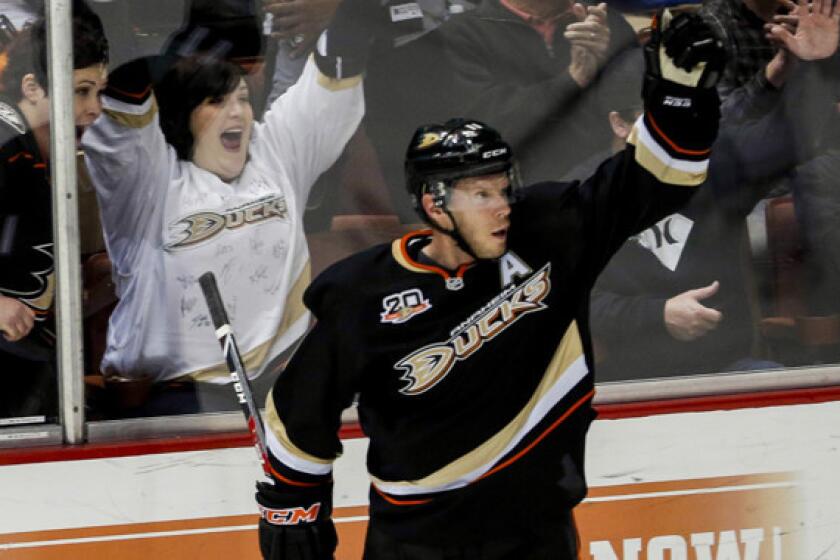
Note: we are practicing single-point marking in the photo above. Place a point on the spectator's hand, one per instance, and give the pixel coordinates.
(16, 319)
(779, 68)
(590, 31)
(300, 21)
(809, 32)
(590, 40)
(686, 318)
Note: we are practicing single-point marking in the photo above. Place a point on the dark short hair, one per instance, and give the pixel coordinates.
(183, 87)
(27, 53)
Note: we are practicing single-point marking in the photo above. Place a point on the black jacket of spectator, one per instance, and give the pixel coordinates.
(506, 75)
(26, 237)
(628, 301)
(26, 267)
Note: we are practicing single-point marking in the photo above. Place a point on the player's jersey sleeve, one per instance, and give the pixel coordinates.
(655, 175)
(305, 129)
(131, 165)
(303, 410)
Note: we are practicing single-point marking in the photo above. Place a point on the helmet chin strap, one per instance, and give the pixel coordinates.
(454, 233)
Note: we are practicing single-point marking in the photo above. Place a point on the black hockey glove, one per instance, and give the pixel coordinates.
(684, 50)
(298, 525)
(342, 50)
(684, 61)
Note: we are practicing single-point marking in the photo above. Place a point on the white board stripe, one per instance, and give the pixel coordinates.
(696, 491)
(360, 518)
(128, 537)
(153, 535)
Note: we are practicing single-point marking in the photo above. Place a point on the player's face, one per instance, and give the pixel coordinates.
(88, 84)
(221, 128)
(480, 206)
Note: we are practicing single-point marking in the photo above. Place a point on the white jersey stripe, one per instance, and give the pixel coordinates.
(279, 451)
(573, 375)
(644, 136)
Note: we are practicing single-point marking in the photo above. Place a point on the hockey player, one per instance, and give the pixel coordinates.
(27, 282)
(203, 187)
(468, 343)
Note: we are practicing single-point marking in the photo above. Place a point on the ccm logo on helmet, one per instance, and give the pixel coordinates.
(291, 516)
(493, 153)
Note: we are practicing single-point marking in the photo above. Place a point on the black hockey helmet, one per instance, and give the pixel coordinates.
(440, 154)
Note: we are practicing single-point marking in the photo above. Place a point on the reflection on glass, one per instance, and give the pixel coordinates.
(189, 190)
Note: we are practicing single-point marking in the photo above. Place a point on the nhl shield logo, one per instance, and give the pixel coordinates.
(400, 307)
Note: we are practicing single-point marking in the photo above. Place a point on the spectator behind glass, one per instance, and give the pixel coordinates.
(229, 30)
(816, 196)
(755, 66)
(296, 25)
(673, 300)
(27, 282)
(409, 80)
(531, 67)
(202, 187)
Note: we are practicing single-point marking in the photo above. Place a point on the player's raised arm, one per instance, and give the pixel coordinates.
(674, 137)
(668, 150)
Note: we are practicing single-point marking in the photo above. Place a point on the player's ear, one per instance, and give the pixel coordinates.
(430, 208)
(435, 213)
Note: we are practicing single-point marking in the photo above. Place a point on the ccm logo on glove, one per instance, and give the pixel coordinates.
(291, 516)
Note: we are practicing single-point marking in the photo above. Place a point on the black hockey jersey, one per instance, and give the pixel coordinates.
(475, 386)
(26, 236)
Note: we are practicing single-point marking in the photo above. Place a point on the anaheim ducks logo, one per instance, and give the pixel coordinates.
(429, 139)
(202, 226)
(428, 366)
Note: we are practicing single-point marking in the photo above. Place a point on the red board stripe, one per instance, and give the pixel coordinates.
(352, 431)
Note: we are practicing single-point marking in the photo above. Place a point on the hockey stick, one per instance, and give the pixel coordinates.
(241, 384)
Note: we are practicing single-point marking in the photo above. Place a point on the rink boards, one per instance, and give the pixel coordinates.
(745, 484)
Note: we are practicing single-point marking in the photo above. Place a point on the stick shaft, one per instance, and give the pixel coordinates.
(233, 359)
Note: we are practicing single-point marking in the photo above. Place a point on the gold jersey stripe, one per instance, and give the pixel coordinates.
(335, 84)
(255, 358)
(133, 121)
(568, 351)
(272, 420)
(663, 171)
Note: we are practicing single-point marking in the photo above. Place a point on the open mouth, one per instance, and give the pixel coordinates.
(500, 233)
(232, 139)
